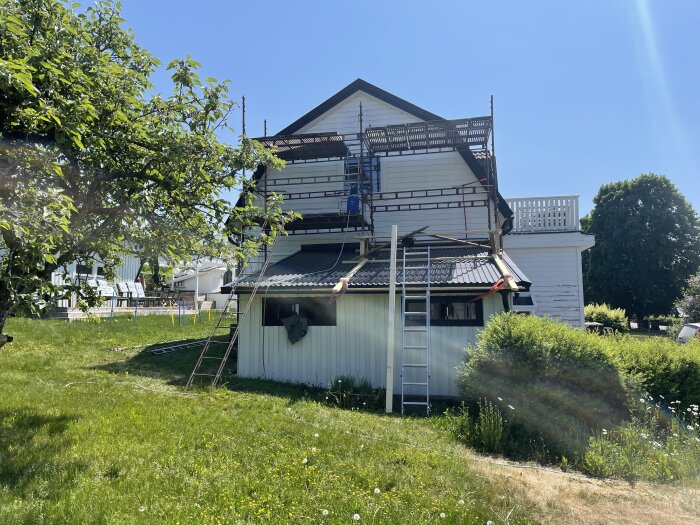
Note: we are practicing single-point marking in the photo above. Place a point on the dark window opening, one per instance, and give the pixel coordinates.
(447, 311)
(317, 311)
(83, 269)
(100, 270)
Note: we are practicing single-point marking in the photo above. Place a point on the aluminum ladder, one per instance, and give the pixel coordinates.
(207, 357)
(415, 328)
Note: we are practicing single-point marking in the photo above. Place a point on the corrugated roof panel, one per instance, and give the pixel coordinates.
(319, 269)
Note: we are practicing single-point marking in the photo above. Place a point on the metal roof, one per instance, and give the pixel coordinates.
(453, 266)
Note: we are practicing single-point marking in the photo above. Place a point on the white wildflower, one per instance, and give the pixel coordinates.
(690, 427)
(142, 509)
(442, 515)
(355, 517)
(316, 435)
(490, 523)
(325, 512)
(306, 461)
(313, 449)
(377, 491)
(641, 399)
(460, 502)
(605, 431)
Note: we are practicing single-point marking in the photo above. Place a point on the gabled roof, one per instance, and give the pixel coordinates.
(362, 85)
(316, 267)
(348, 91)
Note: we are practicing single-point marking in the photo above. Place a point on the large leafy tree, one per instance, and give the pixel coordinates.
(93, 166)
(647, 245)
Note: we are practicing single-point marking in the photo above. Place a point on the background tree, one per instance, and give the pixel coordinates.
(92, 166)
(647, 245)
(690, 302)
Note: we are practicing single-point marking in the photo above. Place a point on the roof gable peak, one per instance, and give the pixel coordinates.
(349, 90)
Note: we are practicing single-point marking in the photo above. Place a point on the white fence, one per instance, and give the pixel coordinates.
(544, 214)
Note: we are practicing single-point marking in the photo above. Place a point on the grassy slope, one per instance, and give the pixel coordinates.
(93, 435)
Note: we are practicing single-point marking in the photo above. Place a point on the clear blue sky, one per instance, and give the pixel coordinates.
(586, 92)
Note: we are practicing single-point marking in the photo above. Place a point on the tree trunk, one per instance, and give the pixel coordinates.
(641, 324)
(4, 313)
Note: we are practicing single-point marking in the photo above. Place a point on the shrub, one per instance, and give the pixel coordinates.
(649, 447)
(662, 367)
(350, 392)
(557, 383)
(487, 432)
(615, 318)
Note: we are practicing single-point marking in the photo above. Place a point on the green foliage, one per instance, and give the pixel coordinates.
(355, 394)
(92, 165)
(557, 383)
(649, 447)
(487, 432)
(662, 367)
(583, 400)
(690, 302)
(615, 318)
(93, 435)
(647, 245)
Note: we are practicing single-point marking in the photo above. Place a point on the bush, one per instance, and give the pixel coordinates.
(662, 367)
(615, 318)
(649, 447)
(486, 433)
(558, 384)
(353, 393)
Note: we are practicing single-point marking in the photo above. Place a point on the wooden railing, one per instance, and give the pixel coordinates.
(545, 214)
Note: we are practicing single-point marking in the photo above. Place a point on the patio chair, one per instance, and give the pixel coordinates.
(123, 293)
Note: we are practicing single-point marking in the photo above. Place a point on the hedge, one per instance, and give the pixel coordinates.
(615, 318)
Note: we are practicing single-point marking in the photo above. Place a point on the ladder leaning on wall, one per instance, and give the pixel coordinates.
(209, 356)
(415, 329)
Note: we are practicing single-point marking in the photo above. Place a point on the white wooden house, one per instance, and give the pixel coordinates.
(357, 164)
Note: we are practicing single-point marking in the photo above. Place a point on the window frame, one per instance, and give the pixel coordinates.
(302, 306)
(447, 299)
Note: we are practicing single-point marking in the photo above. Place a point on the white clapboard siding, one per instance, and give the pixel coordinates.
(411, 172)
(555, 273)
(355, 347)
(344, 118)
(295, 172)
(423, 172)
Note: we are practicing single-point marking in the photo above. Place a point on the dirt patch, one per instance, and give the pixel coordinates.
(565, 498)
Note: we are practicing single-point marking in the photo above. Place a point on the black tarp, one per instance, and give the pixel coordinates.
(296, 327)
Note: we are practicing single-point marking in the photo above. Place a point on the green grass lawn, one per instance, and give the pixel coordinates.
(94, 434)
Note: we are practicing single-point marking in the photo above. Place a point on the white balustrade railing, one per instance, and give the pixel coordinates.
(542, 214)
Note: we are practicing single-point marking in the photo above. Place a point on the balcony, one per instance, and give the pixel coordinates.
(545, 214)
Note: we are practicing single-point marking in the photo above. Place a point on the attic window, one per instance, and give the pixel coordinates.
(449, 311)
(317, 311)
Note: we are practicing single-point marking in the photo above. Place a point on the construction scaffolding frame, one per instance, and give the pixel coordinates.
(469, 136)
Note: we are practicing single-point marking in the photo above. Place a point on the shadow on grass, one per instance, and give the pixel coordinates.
(176, 367)
(30, 444)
